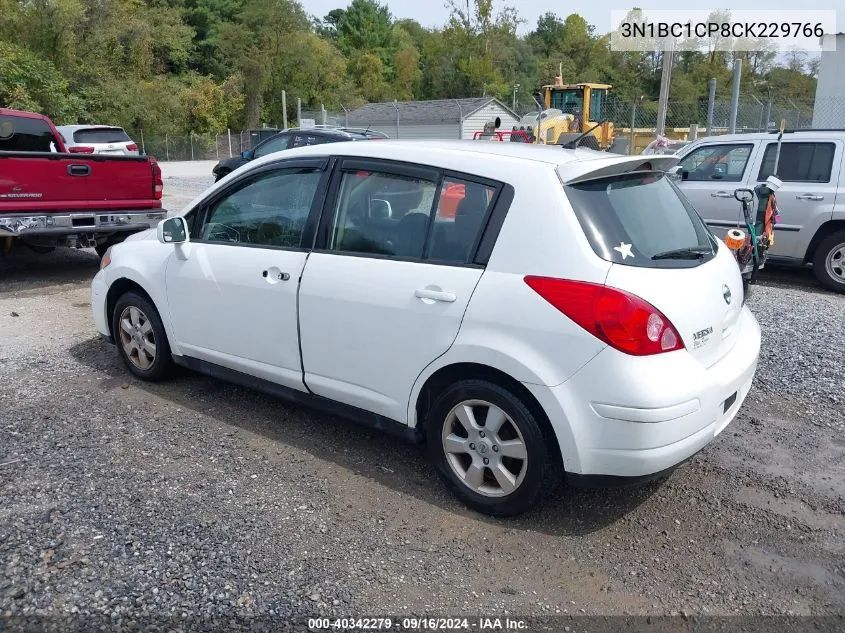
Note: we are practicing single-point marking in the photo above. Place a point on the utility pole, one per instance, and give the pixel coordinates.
(665, 82)
(735, 95)
(284, 110)
(711, 105)
(515, 88)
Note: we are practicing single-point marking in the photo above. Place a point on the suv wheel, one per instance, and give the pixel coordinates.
(829, 262)
(490, 449)
(140, 338)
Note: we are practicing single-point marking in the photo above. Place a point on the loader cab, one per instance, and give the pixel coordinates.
(587, 100)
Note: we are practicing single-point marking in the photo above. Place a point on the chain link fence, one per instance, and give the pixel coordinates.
(635, 122)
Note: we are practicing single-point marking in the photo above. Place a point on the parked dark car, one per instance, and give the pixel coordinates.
(294, 137)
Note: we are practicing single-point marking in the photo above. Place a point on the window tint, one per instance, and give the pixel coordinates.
(101, 135)
(799, 162)
(631, 218)
(270, 211)
(461, 211)
(275, 144)
(301, 140)
(398, 216)
(22, 134)
(717, 162)
(382, 214)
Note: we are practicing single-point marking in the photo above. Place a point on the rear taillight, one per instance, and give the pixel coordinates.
(158, 183)
(132, 147)
(80, 149)
(620, 319)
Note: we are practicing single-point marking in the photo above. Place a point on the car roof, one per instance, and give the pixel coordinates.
(788, 135)
(569, 163)
(23, 114)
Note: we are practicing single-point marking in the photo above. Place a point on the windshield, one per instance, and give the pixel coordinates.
(641, 219)
(568, 101)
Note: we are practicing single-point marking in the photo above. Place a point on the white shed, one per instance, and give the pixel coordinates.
(438, 119)
(829, 107)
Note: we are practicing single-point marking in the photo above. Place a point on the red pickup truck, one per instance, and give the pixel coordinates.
(51, 197)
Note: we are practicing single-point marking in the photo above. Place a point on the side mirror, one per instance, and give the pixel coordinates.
(247, 154)
(172, 230)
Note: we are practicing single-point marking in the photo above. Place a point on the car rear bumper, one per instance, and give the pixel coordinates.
(57, 224)
(631, 416)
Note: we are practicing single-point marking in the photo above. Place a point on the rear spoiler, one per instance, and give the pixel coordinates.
(603, 167)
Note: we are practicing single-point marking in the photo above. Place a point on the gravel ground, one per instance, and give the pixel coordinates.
(195, 497)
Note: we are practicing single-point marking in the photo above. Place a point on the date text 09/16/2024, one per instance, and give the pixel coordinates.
(416, 624)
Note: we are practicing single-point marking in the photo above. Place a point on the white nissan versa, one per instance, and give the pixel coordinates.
(528, 311)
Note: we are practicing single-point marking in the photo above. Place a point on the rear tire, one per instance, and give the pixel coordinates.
(490, 449)
(829, 262)
(140, 338)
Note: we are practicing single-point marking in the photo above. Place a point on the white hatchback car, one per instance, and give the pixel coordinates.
(527, 311)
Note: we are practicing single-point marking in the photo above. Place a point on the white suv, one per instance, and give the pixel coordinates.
(527, 311)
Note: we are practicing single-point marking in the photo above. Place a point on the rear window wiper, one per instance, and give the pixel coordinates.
(690, 252)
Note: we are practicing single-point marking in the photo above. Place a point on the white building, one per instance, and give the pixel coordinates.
(438, 119)
(829, 108)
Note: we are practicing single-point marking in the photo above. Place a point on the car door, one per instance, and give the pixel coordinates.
(386, 287)
(232, 288)
(710, 174)
(809, 171)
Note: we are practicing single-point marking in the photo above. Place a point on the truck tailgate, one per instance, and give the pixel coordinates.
(41, 181)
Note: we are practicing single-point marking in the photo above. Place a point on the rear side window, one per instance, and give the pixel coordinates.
(22, 134)
(101, 135)
(641, 219)
(799, 162)
(303, 140)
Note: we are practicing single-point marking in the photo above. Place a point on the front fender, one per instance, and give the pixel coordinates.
(145, 264)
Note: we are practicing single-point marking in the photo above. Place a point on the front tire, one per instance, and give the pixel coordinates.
(490, 448)
(829, 262)
(140, 338)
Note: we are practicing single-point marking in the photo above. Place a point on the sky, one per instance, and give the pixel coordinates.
(596, 12)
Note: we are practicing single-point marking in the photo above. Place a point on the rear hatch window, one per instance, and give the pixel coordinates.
(101, 135)
(641, 219)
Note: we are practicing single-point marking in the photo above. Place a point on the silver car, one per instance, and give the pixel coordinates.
(97, 139)
(811, 204)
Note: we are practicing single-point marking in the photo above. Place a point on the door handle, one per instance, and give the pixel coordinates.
(78, 170)
(435, 295)
(721, 194)
(813, 197)
(277, 275)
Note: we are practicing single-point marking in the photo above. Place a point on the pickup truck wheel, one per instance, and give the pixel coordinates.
(140, 338)
(490, 449)
(829, 262)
